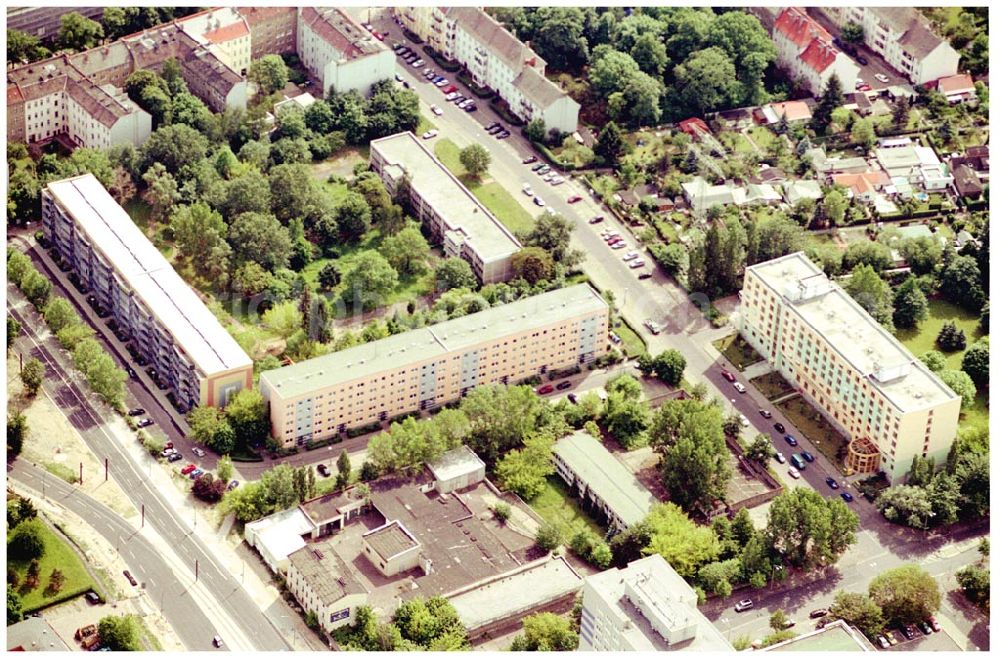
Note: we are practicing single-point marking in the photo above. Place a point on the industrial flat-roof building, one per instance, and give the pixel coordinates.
(599, 477)
(867, 384)
(167, 321)
(424, 368)
(646, 606)
(454, 216)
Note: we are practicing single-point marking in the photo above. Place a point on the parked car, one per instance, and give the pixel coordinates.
(92, 597)
(399, 78)
(881, 77)
(652, 325)
(808, 456)
(797, 461)
(832, 482)
(450, 96)
(436, 110)
(597, 219)
(865, 88)
(766, 414)
(323, 470)
(565, 384)
(571, 397)
(429, 134)
(216, 641)
(744, 605)
(628, 256)
(529, 160)
(619, 245)
(908, 631)
(739, 387)
(200, 452)
(818, 613)
(882, 642)
(145, 423)
(175, 457)
(136, 411)
(793, 472)
(744, 421)
(232, 485)
(728, 375)
(502, 135)
(527, 190)
(471, 107)
(779, 458)
(544, 169)
(131, 579)
(538, 201)
(791, 440)
(645, 275)
(188, 469)
(780, 427)
(925, 628)
(932, 621)
(847, 496)
(575, 198)
(545, 389)
(450, 89)
(635, 265)
(195, 474)
(862, 60)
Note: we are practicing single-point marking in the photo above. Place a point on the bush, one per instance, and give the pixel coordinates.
(547, 537)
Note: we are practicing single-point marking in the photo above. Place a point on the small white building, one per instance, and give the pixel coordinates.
(796, 191)
(342, 54)
(300, 102)
(457, 469)
(323, 584)
(392, 549)
(278, 536)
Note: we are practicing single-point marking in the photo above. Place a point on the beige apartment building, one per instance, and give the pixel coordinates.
(428, 367)
(465, 227)
(886, 402)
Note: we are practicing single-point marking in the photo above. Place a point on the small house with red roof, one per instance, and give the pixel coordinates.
(956, 88)
(693, 127)
(806, 50)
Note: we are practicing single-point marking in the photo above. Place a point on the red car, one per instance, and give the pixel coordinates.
(188, 469)
(379, 36)
(729, 376)
(575, 198)
(865, 88)
(545, 389)
(449, 89)
(934, 624)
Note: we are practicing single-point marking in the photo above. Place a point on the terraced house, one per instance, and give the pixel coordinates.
(496, 59)
(168, 323)
(885, 401)
(425, 368)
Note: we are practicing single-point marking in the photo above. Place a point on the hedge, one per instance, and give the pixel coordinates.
(506, 114)
(363, 430)
(481, 92)
(445, 65)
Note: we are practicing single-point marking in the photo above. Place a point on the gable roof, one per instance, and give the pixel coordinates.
(956, 84)
(863, 183)
(341, 31)
(539, 89)
(795, 25)
(792, 110)
(967, 181)
(501, 43)
(819, 55)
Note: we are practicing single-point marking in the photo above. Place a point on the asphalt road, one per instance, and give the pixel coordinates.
(237, 617)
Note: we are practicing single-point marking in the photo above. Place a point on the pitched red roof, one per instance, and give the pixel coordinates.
(956, 84)
(692, 126)
(14, 94)
(799, 28)
(818, 55)
(228, 32)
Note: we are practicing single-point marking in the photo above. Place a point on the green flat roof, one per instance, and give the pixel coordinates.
(427, 343)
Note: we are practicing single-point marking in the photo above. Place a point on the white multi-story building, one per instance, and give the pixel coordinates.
(224, 32)
(887, 403)
(808, 52)
(496, 59)
(903, 38)
(342, 54)
(647, 607)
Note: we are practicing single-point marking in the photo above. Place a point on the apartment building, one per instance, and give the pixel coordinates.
(342, 54)
(596, 476)
(428, 367)
(272, 29)
(224, 32)
(465, 227)
(807, 51)
(167, 321)
(322, 583)
(904, 39)
(884, 400)
(645, 606)
(496, 59)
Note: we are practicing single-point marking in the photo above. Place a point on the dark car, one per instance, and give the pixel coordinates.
(780, 427)
(571, 397)
(529, 160)
(729, 376)
(131, 373)
(791, 440)
(136, 411)
(766, 414)
(818, 613)
(145, 423)
(504, 135)
(323, 470)
(537, 166)
(564, 385)
(847, 496)
(140, 360)
(174, 457)
(471, 107)
(862, 60)
(832, 482)
(597, 219)
(122, 335)
(92, 301)
(161, 384)
(646, 275)
(909, 631)
(92, 597)
(925, 628)
(131, 579)
(232, 485)
(809, 457)
(216, 641)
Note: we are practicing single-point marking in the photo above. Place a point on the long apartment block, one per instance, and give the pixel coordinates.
(425, 368)
(454, 216)
(886, 402)
(167, 321)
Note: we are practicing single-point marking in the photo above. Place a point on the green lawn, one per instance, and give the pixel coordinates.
(762, 137)
(632, 343)
(977, 416)
(448, 153)
(920, 340)
(736, 142)
(814, 427)
(337, 191)
(58, 554)
(558, 506)
(740, 353)
(424, 125)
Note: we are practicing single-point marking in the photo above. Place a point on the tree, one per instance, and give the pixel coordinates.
(835, 206)
(406, 251)
(353, 217)
(707, 81)
(871, 292)
(476, 159)
(852, 33)
(59, 314)
(559, 38)
(343, 469)
(921, 254)
(269, 73)
(612, 72)
(369, 281)
(546, 632)
(950, 338)
(830, 100)
(961, 384)
(972, 579)
(960, 283)
(17, 430)
(626, 419)
(36, 288)
(778, 620)
(23, 47)
(27, 541)
(224, 469)
(650, 54)
(863, 133)
(455, 272)
(905, 594)
(684, 544)
(909, 304)
(860, 610)
(809, 529)
(668, 366)
(78, 32)
(246, 413)
(906, 504)
(208, 488)
(548, 537)
(500, 418)
(610, 144)
(760, 449)
(119, 633)
(14, 328)
(31, 376)
(535, 130)
(175, 147)
(329, 276)
(525, 470)
(199, 232)
(15, 609)
(717, 577)
(976, 362)
(260, 237)
(533, 264)
(103, 375)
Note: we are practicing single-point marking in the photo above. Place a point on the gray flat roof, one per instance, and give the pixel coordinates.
(328, 576)
(195, 330)
(391, 540)
(606, 476)
(448, 196)
(426, 343)
(456, 462)
(851, 331)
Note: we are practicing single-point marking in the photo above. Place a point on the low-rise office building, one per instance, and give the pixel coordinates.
(903, 37)
(648, 607)
(454, 216)
(425, 368)
(323, 584)
(600, 479)
(496, 59)
(168, 323)
(342, 54)
(887, 403)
